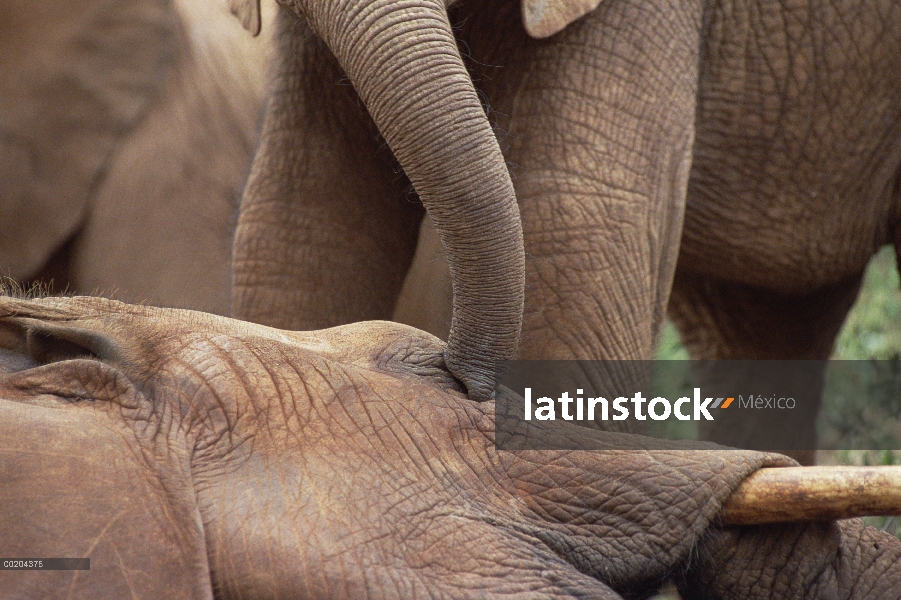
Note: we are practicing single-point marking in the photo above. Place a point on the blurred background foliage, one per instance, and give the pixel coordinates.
(872, 331)
(873, 327)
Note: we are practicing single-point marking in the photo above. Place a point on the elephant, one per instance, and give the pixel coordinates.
(189, 455)
(681, 156)
(127, 128)
(325, 206)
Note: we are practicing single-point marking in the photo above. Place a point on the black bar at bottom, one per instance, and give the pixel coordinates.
(45, 564)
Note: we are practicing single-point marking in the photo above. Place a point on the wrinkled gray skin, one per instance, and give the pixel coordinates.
(770, 130)
(793, 180)
(127, 129)
(326, 232)
(190, 455)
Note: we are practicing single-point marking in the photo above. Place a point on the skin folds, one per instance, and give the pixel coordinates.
(192, 455)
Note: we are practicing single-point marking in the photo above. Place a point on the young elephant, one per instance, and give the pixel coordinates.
(189, 455)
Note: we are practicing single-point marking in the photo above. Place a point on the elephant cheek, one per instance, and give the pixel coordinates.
(75, 472)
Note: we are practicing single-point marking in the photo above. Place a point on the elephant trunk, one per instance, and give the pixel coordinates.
(402, 59)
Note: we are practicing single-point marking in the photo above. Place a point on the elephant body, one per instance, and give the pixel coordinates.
(794, 183)
(127, 129)
(796, 155)
(189, 455)
(742, 155)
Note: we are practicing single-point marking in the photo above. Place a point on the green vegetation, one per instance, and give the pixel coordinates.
(669, 346)
(873, 327)
(871, 331)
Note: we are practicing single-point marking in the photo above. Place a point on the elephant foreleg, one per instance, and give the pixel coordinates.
(597, 125)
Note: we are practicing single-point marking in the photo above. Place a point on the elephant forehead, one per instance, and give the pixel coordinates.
(311, 398)
(204, 365)
(170, 326)
(358, 343)
(266, 361)
(308, 381)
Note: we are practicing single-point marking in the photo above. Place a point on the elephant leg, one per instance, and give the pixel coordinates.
(596, 124)
(329, 243)
(722, 320)
(729, 321)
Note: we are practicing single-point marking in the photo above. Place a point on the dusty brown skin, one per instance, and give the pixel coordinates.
(792, 183)
(599, 177)
(127, 128)
(796, 179)
(190, 455)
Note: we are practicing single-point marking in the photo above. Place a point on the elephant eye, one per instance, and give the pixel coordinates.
(46, 348)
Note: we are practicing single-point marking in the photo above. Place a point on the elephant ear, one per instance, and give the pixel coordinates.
(544, 18)
(80, 473)
(248, 12)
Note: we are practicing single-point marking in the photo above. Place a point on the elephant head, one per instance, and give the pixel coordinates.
(189, 455)
(327, 231)
(403, 61)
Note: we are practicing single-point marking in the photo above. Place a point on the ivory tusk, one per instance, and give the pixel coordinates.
(793, 494)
